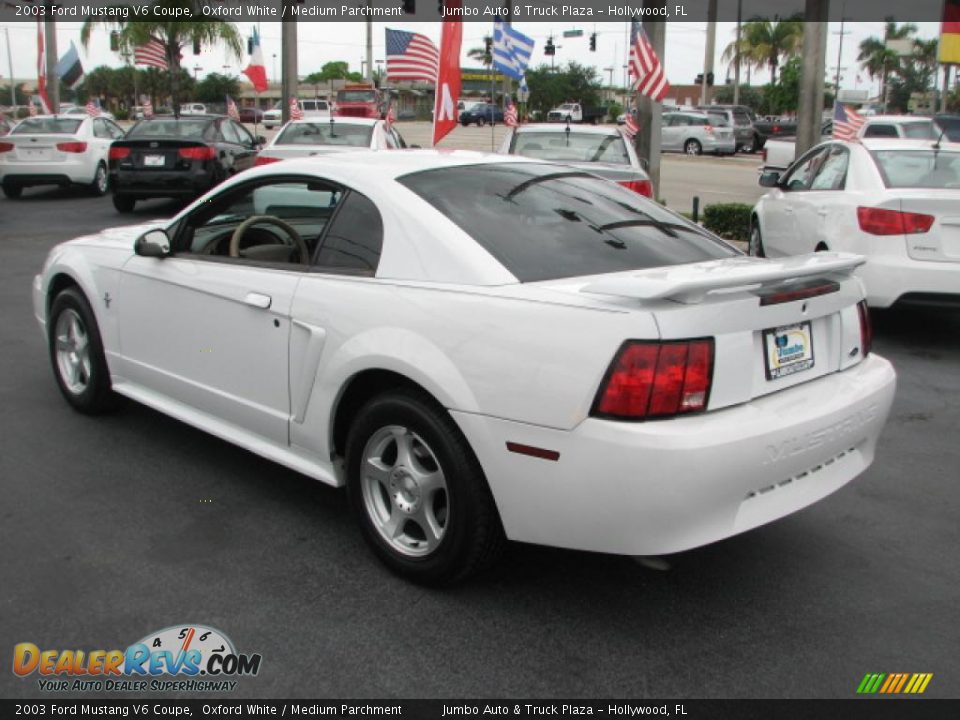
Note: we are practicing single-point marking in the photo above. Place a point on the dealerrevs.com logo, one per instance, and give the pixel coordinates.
(200, 658)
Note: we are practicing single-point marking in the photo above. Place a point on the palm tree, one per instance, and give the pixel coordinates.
(877, 59)
(765, 43)
(481, 53)
(175, 37)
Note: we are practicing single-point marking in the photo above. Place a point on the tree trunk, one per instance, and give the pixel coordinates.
(173, 61)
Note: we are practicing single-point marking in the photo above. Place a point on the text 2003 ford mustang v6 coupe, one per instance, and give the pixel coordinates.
(481, 347)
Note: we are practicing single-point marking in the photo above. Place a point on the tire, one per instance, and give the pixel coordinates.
(12, 191)
(124, 203)
(692, 147)
(101, 181)
(76, 353)
(435, 536)
(481, 122)
(750, 147)
(755, 245)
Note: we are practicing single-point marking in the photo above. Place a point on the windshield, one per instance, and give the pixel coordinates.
(47, 126)
(169, 128)
(571, 147)
(544, 222)
(326, 133)
(356, 96)
(919, 168)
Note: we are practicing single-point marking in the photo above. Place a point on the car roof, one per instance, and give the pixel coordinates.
(897, 119)
(561, 127)
(342, 120)
(906, 144)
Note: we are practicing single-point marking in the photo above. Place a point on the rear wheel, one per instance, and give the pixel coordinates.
(12, 190)
(76, 352)
(692, 147)
(481, 122)
(418, 491)
(124, 203)
(101, 181)
(750, 146)
(755, 246)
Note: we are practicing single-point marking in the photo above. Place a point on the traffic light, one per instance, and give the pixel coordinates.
(114, 41)
(410, 6)
(487, 50)
(710, 79)
(196, 46)
(549, 48)
(699, 80)
(593, 43)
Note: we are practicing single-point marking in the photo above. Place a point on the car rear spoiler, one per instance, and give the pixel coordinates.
(691, 283)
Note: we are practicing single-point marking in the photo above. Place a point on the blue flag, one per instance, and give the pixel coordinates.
(511, 50)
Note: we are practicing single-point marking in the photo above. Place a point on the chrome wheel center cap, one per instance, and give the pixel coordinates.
(405, 490)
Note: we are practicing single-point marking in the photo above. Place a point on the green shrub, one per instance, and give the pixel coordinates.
(728, 220)
(122, 114)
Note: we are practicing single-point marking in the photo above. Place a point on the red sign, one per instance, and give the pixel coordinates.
(448, 77)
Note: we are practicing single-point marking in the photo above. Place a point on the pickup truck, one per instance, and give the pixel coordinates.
(576, 113)
(778, 153)
(766, 129)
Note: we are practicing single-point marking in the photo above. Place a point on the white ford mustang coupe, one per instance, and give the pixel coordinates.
(481, 347)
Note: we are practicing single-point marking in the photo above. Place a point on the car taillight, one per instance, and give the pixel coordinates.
(708, 129)
(644, 187)
(656, 380)
(6, 147)
(265, 160)
(118, 153)
(197, 153)
(880, 221)
(72, 147)
(775, 129)
(866, 329)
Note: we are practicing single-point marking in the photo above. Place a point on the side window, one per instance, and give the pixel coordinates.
(880, 131)
(741, 118)
(116, 132)
(802, 174)
(833, 173)
(399, 138)
(388, 138)
(355, 237)
(305, 206)
(245, 137)
(100, 129)
(229, 132)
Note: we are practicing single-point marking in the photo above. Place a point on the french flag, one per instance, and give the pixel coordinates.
(256, 71)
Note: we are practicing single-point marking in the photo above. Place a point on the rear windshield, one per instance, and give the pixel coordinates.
(544, 222)
(326, 133)
(357, 96)
(920, 130)
(951, 127)
(47, 126)
(718, 119)
(571, 147)
(918, 168)
(169, 128)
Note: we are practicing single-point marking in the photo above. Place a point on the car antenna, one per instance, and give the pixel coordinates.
(332, 133)
(936, 145)
(567, 131)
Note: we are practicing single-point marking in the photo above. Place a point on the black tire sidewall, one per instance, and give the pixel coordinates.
(98, 394)
(466, 486)
(759, 248)
(94, 187)
(12, 190)
(694, 144)
(123, 203)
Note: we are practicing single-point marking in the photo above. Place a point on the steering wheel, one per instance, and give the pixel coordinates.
(269, 220)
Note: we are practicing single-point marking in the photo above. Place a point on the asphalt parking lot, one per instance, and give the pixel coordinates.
(113, 527)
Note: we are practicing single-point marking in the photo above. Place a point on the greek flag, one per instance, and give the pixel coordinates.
(511, 50)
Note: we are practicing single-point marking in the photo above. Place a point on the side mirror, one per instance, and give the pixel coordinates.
(771, 178)
(412, 147)
(153, 243)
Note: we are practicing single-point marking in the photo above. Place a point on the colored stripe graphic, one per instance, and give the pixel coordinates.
(894, 683)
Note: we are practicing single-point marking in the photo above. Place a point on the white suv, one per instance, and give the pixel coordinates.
(311, 107)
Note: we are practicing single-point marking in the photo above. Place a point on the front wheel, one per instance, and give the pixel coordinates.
(124, 203)
(755, 246)
(101, 181)
(76, 352)
(750, 146)
(692, 147)
(481, 122)
(12, 191)
(418, 490)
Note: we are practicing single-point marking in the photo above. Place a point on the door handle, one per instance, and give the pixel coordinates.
(258, 300)
(788, 210)
(822, 212)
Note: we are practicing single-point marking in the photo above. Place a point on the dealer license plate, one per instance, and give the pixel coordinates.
(788, 349)
(154, 160)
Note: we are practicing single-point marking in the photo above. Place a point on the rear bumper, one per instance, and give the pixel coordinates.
(890, 278)
(666, 486)
(52, 173)
(161, 183)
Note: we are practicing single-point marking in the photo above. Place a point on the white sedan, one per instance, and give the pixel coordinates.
(481, 347)
(57, 150)
(306, 138)
(604, 151)
(897, 202)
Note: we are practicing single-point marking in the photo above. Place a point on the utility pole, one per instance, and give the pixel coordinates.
(50, 48)
(711, 48)
(13, 85)
(841, 33)
(943, 95)
(288, 60)
(650, 114)
(507, 83)
(736, 57)
(811, 83)
(369, 74)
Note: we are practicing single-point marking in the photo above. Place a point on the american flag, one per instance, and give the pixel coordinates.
(93, 109)
(646, 72)
(411, 56)
(33, 109)
(390, 118)
(846, 123)
(147, 107)
(295, 112)
(631, 127)
(510, 113)
(232, 108)
(153, 54)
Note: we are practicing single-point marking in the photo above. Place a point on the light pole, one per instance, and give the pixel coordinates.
(274, 67)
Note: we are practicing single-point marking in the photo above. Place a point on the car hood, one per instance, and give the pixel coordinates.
(116, 238)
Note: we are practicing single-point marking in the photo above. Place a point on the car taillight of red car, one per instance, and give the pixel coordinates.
(644, 187)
